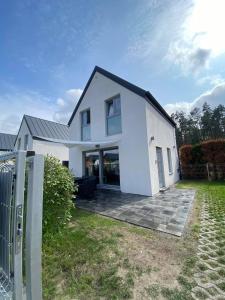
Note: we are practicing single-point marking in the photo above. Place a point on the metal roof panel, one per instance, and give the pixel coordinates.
(7, 141)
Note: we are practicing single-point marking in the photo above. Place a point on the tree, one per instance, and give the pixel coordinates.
(200, 124)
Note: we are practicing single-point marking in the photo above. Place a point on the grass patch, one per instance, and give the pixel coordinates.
(221, 272)
(153, 291)
(100, 258)
(214, 276)
(201, 295)
(176, 294)
(82, 260)
(222, 286)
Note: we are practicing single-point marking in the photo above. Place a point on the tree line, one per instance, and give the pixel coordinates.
(200, 124)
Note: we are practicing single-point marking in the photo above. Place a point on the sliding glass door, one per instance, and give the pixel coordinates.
(111, 168)
(91, 161)
(104, 164)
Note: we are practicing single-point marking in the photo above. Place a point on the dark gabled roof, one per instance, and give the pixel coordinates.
(44, 128)
(7, 141)
(135, 89)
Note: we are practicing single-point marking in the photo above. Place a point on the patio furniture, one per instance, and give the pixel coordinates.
(86, 186)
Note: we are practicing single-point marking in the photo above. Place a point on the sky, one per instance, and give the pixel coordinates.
(48, 49)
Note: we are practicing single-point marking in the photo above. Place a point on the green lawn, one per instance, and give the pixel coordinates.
(100, 258)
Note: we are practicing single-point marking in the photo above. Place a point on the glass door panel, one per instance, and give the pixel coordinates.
(92, 164)
(111, 168)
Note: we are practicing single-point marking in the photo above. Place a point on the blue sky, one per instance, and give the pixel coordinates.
(48, 49)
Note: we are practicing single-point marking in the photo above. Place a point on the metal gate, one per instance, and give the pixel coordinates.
(21, 192)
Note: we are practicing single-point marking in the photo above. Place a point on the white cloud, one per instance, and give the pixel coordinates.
(66, 105)
(211, 79)
(17, 102)
(154, 26)
(190, 60)
(213, 97)
(200, 37)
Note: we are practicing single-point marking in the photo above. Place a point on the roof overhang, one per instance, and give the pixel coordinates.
(88, 144)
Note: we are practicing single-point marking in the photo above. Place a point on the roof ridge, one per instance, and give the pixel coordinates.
(46, 120)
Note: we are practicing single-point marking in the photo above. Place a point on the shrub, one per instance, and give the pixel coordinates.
(212, 151)
(193, 160)
(185, 154)
(58, 195)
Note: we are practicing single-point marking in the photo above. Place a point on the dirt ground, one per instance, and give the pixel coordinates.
(158, 258)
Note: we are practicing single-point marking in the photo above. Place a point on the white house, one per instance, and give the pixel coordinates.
(33, 129)
(124, 137)
(6, 142)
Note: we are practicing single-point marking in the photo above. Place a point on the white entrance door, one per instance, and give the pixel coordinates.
(160, 167)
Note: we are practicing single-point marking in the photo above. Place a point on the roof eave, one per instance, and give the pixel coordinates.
(142, 93)
(150, 99)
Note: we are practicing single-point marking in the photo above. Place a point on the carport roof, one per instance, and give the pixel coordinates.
(7, 141)
(44, 128)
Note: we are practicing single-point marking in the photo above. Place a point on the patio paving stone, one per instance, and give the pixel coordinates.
(166, 212)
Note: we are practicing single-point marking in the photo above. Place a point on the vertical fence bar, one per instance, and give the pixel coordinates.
(17, 245)
(34, 227)
(207, 168)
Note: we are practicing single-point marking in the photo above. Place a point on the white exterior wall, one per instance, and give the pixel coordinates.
(21, 134)
(59, 151)
(164, 137)
(40, 147)
(133, 148)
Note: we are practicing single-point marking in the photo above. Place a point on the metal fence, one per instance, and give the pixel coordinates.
(204, 171)
(21, 189)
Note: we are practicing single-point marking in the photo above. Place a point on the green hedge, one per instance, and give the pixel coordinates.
(58, 197)
(212, 151)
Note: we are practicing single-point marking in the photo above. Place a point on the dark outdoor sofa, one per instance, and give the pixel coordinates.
(86, 186)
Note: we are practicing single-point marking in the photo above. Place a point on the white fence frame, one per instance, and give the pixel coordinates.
(33, 235)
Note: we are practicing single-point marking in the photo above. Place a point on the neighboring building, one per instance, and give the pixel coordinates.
(33, 129)
(123, 136)
(6, 142)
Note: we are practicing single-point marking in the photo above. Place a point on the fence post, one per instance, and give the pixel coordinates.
(17, 245)
(207, 167)
(34, 228)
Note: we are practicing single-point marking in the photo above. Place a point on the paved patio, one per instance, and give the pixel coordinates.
(166, 212)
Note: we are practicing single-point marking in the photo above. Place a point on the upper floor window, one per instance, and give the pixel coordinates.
(169, 161)
(85, 125)
(26, 142)
(19, 144)
(113, 116)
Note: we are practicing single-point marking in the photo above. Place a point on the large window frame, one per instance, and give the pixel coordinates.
(170, 163)
(85, 125)
(113, 111)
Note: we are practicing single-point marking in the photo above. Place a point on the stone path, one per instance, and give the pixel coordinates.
(210, 275)
(166, 212)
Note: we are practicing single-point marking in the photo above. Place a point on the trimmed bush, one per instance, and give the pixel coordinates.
(194, 158)
(212, 151)
(59, 189)
(186, 155)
